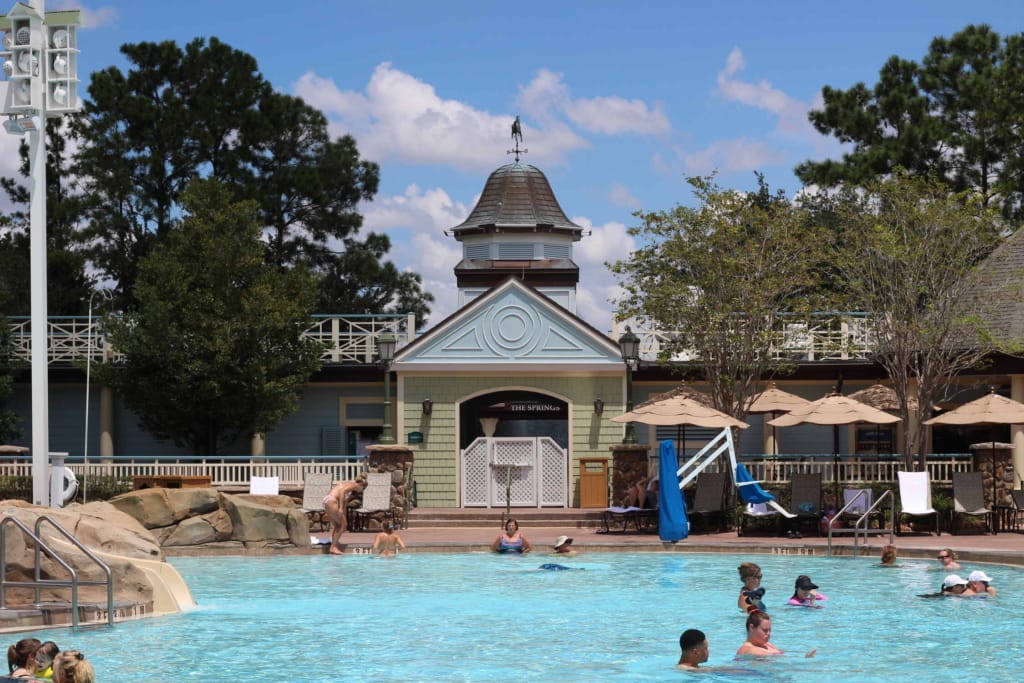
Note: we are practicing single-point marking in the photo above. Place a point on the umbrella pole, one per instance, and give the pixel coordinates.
(835, 461)
(993, 454)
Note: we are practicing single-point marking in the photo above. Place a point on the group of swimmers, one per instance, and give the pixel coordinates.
(32, 660)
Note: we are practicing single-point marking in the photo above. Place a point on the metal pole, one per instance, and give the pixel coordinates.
(88, 366)
(630, 436)
(386, 435)
(37, 279)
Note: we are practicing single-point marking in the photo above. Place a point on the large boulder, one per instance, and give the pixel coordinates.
(98, 526)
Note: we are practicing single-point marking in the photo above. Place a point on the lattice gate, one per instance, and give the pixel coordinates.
(532, 469)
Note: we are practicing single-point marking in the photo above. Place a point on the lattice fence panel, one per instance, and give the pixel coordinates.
(514, 465)
(475, 474)
(553, 477)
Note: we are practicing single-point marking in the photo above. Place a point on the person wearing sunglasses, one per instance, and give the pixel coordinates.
(751, 593)
(948, 559)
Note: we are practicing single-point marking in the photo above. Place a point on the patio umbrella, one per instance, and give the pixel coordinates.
(682, 406)
(834, 409)
(992, 409)
(883, 397)
(774, 400)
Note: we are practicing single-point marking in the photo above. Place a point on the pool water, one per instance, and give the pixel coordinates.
(483, 617)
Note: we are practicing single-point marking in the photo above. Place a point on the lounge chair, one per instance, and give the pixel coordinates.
(708, 499)
(264, 486)
(758, 511)
(916, 496)
(315, 486)
(376, 501)
(805, 499)
(969, 499)
(1017, 511)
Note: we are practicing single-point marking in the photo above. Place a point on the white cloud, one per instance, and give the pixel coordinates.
(742, 154)
(89, 18)
(402, 119)
(791, 112)
(547, 96)
(598, 287)
(620, 195)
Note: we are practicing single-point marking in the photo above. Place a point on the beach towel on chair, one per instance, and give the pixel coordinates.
(749, 490)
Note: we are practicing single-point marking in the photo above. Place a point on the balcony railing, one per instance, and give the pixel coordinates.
(825, 336)
(346, 338)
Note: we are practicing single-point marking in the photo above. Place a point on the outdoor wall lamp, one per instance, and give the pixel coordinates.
(629, 347)
(598, 407)
(428, 406)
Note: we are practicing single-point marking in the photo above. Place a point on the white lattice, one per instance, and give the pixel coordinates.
(553, 477)
(475, 474)
(515, 451)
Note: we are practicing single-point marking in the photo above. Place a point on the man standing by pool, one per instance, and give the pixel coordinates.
(336, 507)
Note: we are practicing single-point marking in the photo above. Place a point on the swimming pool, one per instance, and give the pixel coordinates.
(482, 617)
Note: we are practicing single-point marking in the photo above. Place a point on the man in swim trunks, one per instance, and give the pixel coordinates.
(335, 508)
(694, 646)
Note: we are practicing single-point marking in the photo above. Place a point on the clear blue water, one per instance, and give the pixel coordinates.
(481, 617)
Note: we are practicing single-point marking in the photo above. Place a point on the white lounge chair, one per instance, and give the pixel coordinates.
(376, 501)
(916, 496)
(264, 486)
(315, 486)
(758, 511)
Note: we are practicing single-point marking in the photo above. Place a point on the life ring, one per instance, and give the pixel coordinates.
(69, 488)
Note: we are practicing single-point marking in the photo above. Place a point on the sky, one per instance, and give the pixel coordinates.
(620, 102)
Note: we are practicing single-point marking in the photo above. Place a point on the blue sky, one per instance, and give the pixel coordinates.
(620, 101)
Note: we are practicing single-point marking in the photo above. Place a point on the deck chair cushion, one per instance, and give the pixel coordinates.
(315, 486)
(969, 493)
(264, 486)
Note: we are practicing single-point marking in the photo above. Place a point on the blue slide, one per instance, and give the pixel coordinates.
(672, 523)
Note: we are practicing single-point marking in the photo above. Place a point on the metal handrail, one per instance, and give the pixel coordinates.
(864, 518)
(39, 582)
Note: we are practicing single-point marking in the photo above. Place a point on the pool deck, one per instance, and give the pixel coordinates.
(1003, 548)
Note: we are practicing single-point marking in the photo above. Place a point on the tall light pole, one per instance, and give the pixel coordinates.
(385, 354)
(629, 347)
(40, 61)
(105, 294)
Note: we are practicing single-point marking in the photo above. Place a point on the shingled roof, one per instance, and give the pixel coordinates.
(517, 197)
(1000, 280)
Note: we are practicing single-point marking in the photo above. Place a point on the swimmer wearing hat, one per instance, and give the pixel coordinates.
(563, 546)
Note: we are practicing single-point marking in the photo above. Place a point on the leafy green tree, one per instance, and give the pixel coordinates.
(911, 256)
(723, 275)
(9, 365)
(67, 283)
(206, 111)
(957, 116)
(214, 350)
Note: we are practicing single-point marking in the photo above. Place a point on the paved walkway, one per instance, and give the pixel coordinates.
(1003, 548)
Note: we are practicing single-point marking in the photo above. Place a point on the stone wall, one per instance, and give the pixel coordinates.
(398, 460)
(629, 468)
(204, 516)
(986, 455)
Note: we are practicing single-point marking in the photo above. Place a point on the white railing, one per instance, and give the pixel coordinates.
(346, 338)
(779, 470)
(227, 474)
(825, 336)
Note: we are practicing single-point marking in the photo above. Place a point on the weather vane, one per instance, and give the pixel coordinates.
(517, 137)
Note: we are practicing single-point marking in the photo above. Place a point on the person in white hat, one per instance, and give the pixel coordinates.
(978, 584)
(563, 546)
(954, 584)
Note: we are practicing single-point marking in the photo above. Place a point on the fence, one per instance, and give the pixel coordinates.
(224, 472)
(852, 469)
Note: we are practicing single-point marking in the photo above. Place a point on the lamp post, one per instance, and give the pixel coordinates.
(629, 347)
(104, 294)
(40, 61)
(385, 354)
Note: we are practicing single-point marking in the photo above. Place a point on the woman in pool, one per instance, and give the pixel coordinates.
(805, 593)
(751, 592)
(71, 666)
(388, 542)
(21, 657)
(888, 556)
(948, 559)
(335, 507)
(954, 584)
(511, 541)
(759, 630)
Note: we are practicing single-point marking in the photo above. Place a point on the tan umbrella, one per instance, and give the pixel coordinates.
(881, 396)
(774, 400)
(834, 409)
(680, 406)
(991, 409)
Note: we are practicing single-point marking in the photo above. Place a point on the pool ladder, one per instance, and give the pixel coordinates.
(38, 583)
(861, 525)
